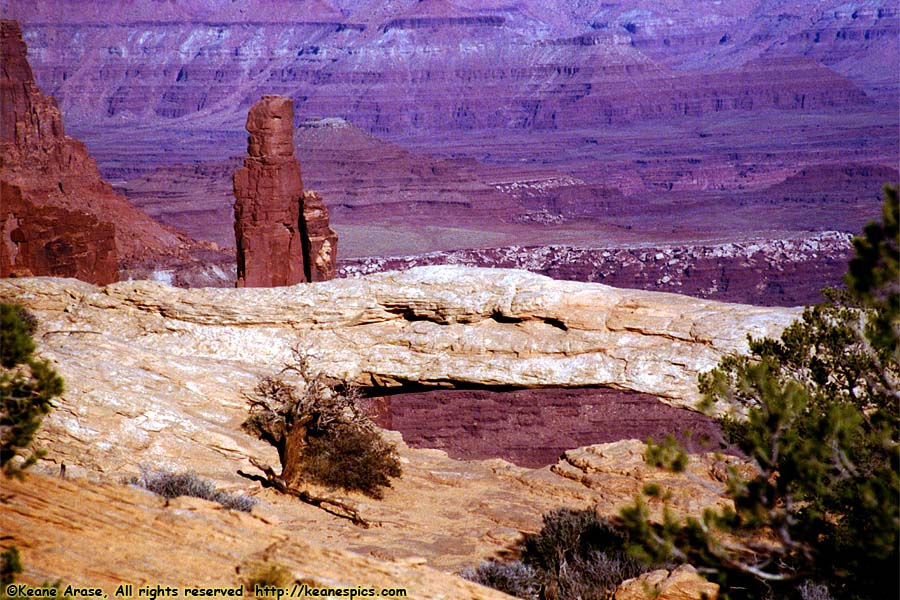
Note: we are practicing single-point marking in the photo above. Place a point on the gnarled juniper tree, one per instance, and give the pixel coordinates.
(321, 433)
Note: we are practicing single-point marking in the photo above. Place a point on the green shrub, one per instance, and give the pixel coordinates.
(17, 325)
(816, 412)
(668, 454)
(10, 566)
(27, 389)
(170, 484)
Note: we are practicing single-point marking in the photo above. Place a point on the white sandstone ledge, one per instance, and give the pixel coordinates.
(433, 326)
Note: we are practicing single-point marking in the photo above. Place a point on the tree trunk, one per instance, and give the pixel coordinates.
(294, 446)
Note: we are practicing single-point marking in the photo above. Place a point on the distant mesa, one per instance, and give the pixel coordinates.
(282, 232)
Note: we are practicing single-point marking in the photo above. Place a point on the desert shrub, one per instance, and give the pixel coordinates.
(351, 458)
(170, 484)
(268, 574)
(27, 389)
(10, 566)
(514, 578)
(576, 554)
(17, 325)
(321, 433)
(816, 413)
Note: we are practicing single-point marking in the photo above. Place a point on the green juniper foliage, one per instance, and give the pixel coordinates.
(27, 389)
(817, 414)
(10, 565)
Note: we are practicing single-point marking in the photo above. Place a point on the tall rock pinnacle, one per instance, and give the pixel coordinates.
(282, 234)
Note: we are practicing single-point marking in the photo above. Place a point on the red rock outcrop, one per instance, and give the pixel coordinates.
(282, 232)
(54, 241)
(319, 240)
(58, 216)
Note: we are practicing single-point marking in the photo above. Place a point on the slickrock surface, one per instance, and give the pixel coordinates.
(683, 583)
(431, 326)
(61, 189)
(102, 535)
(282, 233)
(155, 376)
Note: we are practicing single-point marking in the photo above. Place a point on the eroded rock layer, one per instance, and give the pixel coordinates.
(532, 428)
(438, 326)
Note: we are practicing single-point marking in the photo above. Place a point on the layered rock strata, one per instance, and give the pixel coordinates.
(439, 326)
(282, 233)
(531, 428)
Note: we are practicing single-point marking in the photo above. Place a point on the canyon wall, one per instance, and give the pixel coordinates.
(458, 65)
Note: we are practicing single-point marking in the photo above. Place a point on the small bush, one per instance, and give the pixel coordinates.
(576, 554)
(514, 578)
(169, 484)
(351, 458)
(17, 325)
(10, 565)
(268, 574)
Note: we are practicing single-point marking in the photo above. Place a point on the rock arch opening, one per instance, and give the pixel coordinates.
(532, 427)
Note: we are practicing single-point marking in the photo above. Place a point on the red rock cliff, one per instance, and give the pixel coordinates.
(282, 234)
(53, 190)
(40, 232)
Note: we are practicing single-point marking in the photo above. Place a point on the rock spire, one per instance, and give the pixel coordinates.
(282, 233)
